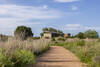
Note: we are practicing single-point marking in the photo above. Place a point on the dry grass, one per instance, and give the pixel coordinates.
(35, 46)
(10, 47)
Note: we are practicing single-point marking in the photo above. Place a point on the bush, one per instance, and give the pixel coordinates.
(4, 60)
(61, 39)
(53, 39)
(3, 37)
(23, 32)
(36, 38)
(23, 57)
(81, 35)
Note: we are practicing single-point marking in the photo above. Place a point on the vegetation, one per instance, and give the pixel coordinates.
(17, 53)
(91, 34)
(81, 35)
(36, 38)
(3, 37)
(23, 57)
(88, 34)
(4, 60)
(61, 39)
(49, 29)
(41, 34)
(21, 50)
(87, 50)
(23, 32)
(52, 30)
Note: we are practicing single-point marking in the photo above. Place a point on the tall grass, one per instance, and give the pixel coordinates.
(88, 51)
(15, 50)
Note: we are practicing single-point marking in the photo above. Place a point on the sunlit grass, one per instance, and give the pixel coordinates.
(87, 50)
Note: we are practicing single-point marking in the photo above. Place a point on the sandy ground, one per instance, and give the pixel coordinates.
(58, 57)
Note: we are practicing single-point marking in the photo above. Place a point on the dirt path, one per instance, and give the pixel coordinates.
(58, 57)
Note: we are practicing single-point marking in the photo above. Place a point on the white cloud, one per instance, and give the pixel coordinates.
(73, 27)
(76, 28)
(64, 1)
(12, 16)
(93, 28)
(45, 6)
(28, 12)
(79, 27)
(9, 27)
(74, 8)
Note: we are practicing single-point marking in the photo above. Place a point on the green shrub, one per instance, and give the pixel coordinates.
(3, 37)
(53, 39)
(23, 57)
(4, 60)
(61, 39)
(80, 35)
(36, 38)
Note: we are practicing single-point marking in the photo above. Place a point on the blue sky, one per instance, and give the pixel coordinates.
(71, 16)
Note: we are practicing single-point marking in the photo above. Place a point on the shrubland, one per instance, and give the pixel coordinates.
(17, 53)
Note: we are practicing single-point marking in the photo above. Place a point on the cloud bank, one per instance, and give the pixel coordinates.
(28, 12)
(12, 16)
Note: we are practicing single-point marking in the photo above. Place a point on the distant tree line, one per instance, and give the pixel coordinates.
(87, 34)
(23, 32)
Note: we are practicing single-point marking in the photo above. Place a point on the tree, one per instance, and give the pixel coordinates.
(91, 34)
(23, 32)
(45, 29)
(60, 32)
(52, 29)
(41, 34)
(80, 35)
(49, 29)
